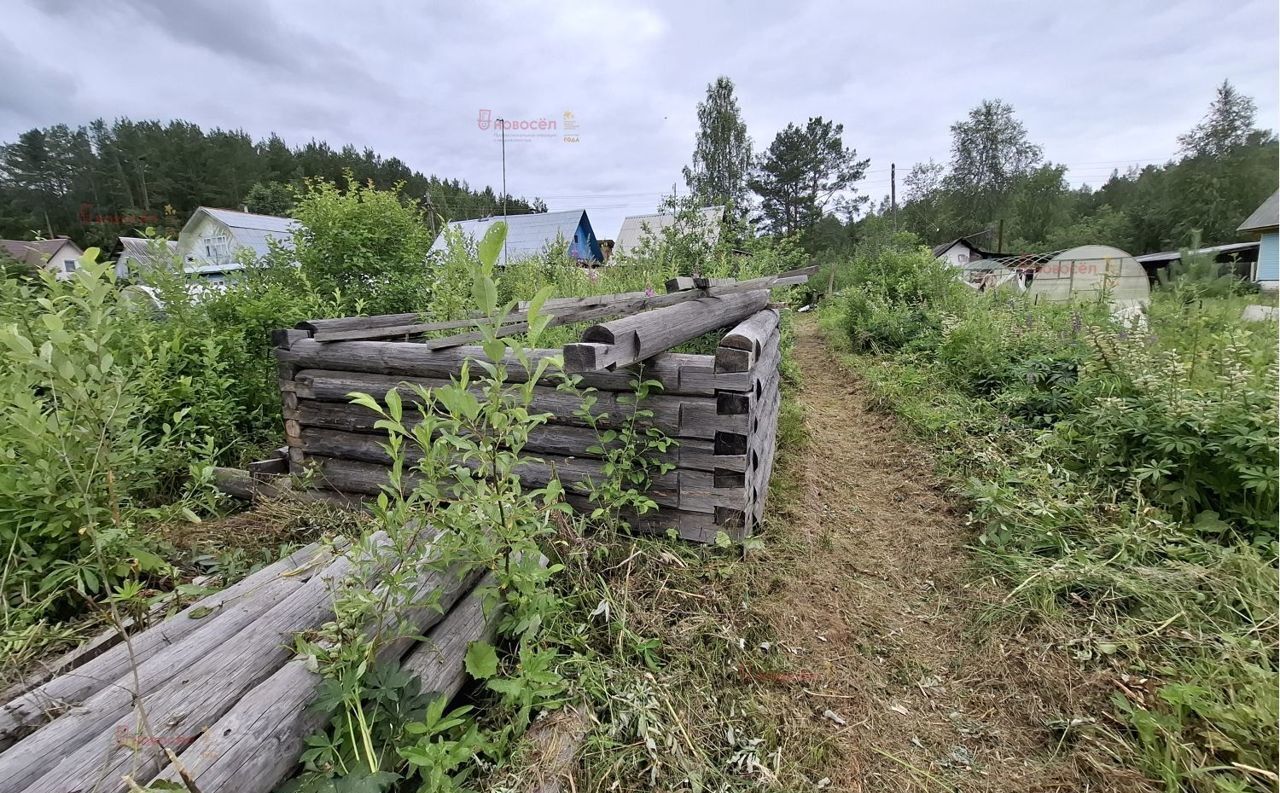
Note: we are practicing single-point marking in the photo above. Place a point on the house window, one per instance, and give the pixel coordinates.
(69, 266)
(217, 248)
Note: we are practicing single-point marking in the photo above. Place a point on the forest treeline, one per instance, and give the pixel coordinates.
(997, 186)
(96, 182)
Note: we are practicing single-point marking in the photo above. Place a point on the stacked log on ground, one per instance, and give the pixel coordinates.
(256, 745)
(719, 409)
(216, 683)
(337, 447)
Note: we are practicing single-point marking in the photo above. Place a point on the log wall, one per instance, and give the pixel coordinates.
(721, 409)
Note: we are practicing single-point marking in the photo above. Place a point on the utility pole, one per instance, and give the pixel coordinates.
(502, 126)
(893, 192)
(142, 175)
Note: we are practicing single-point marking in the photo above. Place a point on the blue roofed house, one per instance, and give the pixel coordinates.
(214, 241)
(1265, 221)
(532, 234)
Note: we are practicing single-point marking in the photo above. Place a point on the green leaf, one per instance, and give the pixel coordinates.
(482, 660)
(490, 246)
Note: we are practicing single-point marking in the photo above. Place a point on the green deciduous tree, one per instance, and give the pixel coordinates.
(722, 151)
(370, 245)
(989, 152)
(801, 172)
(1226, 127)
(270, 198)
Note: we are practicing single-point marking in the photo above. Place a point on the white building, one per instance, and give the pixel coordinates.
(136, 255)
(636, 227)
(60, 255)
(214, 241)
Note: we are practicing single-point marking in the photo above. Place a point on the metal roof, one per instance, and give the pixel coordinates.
(634, 227)
(1164, 256)
(528, 235)
(35, 253)
(139, 248)
(1265, 217)
(247, 229)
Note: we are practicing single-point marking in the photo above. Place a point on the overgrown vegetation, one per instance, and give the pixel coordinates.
(120, 401)
(568, 637)
(1123, 483)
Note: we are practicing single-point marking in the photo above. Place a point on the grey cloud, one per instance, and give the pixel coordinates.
(1097, 82)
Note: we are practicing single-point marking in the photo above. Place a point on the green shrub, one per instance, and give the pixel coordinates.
(78, 458)
(1191, 430)
(878, 325)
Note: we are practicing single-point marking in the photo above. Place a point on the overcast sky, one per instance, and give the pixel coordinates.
(1098, 83)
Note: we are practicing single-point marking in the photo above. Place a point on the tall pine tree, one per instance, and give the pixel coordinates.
(801, 171)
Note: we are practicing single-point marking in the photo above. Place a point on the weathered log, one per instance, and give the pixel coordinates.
(196, 696)
(163, 649)
(438, 660)
(86, 651)
(337, 386)
(740, 347)
(282, 595)
(640, 336)
(274, 465)
(551, 439)
(684, 283)
(256, 744)
(350, 476)
(238, 483)
(678, 417)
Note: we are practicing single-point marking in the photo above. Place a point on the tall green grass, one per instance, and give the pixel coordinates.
(1124, 482)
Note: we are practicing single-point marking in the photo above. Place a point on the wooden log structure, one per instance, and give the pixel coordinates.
(218, 682)
(720, 409)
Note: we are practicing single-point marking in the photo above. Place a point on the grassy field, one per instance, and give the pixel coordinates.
(1122, 479)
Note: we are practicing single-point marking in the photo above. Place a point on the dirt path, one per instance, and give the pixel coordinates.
(887, 622)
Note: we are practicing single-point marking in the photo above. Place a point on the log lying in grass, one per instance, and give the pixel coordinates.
(244, 485)
(634, 338)
(438, 660)
(256, 744)
(161, 651)
(179, 694)
(86, 651)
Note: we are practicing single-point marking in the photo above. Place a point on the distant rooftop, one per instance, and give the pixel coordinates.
(1266, 217)
(1167, 256)
(528, 235)
(634, 227)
